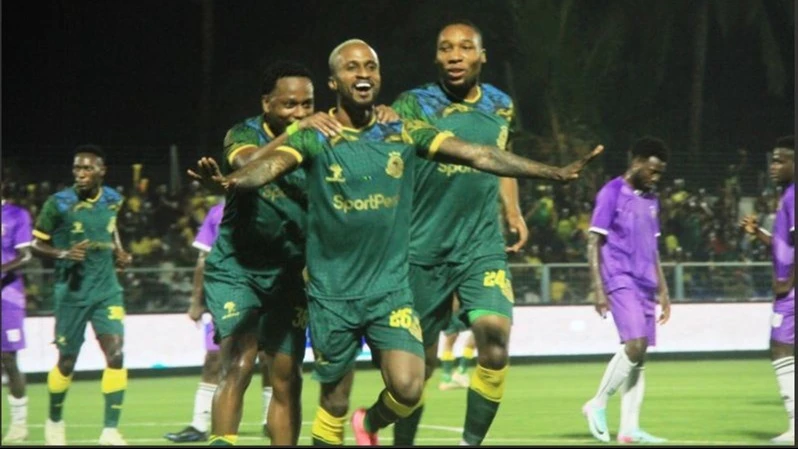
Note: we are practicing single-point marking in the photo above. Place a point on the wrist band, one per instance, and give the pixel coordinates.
(292, 128)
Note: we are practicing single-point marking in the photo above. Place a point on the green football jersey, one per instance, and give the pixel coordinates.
(264, 229)
(360, 187)
(65, 220)
(455, 207)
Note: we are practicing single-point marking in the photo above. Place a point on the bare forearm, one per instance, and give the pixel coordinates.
(593, 261)
(508, 190)
(197, 295)
(262, 170)
(764, 236)
(44, 249)
(23, 257)
(503, 163)
(248, 155)
(782, 287)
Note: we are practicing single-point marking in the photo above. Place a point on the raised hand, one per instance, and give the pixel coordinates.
(321, 121)
(571, 171)
(385, 114)
(209, 175)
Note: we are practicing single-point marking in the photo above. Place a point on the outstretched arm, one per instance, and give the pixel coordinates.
(258, 172)
(503, 163)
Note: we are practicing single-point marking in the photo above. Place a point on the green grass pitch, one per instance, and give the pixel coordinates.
(689, 402)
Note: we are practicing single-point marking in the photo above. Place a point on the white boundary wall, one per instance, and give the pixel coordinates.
(172, 340)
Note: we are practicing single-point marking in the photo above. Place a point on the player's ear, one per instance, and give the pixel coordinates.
(332, 84)
(483, 56)
(264, 103)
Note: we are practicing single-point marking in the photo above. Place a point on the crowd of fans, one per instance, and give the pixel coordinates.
(158, 226)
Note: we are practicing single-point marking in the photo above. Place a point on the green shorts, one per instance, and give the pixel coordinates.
(273, 305)
(388, 322)
(481, 284)
(106, 318)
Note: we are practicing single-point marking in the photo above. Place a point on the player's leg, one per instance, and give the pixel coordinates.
(267, 390)
(394, 330)
(283, 333)
(487, 297)
(107, 321)
(334, 356)
(239, 350)
(782, 355)
(70, 327)
(448, 359)
(235, 307)
(203, 398)
(431, 287)
(466, 360)
(13, 340)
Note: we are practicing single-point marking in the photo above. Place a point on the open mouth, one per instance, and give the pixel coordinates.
(363, 87)
(456, 73)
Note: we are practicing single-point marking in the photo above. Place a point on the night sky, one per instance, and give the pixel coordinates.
(128, 75)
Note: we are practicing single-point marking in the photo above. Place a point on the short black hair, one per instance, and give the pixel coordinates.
(647, 146)
(282, 69)
(786, 142)
(465, 22)
(91, 149)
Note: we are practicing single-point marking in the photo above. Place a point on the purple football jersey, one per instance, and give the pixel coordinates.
(629, 221)
(17, 233)
(210, 229)
(783, 227)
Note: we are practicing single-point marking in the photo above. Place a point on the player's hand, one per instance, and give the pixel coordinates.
(517, 226)
(602, 305)
(385, 114)
(749, 224)
(210, 176)
(571, 171)
(322, 122)
(77, 252)
(665, 304)
(195, 310)
(122, 259)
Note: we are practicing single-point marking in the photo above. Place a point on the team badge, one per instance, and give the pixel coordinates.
(337, 173)
(396, 166)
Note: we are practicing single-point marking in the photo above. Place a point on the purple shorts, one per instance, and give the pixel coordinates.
(13, 338)
(634, 313)
(782, 322)
(210, 346)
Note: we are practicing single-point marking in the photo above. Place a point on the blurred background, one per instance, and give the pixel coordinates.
(157, 84)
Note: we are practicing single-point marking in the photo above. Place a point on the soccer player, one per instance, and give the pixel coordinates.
(197, 430)
(627, 279)
(17, 239)
(456, 243)
(77, 228)
(782, 242)
(360, 193)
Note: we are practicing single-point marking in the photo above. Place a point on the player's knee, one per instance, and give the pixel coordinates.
(430, 363)
(636, 349)
(115, 357)
(407, 389)
(66, 364)
(780, 350)
(335, 405)
(10, 361)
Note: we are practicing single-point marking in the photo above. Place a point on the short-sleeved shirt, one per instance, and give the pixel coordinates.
(629, 220)
(16, 225)
(783, 245)
(66, 219)
(264, 229)
(455, 208)
(209, 229)
(360, 192)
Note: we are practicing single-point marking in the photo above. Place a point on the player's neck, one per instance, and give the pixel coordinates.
(352, 116)
(90, 194)
(467, 92)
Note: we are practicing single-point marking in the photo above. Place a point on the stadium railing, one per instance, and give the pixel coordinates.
(168, 290)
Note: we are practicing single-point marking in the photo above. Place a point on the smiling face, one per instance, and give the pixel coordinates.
(355, 74)
(290, 101)
(459, 55)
